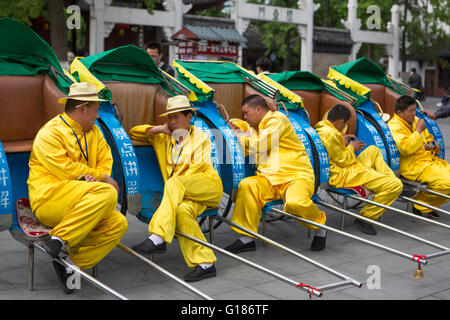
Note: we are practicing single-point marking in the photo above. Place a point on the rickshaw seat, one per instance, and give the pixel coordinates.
(319, 102)
(26, 104)
(385, 97)
(139, 103)
(230, 95)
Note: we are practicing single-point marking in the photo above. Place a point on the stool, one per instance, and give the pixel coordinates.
(28, 231)
(345, 192)
(210, 212)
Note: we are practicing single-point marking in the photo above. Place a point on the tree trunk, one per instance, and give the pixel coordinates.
(403, 49)
(58, 29)
(287, 60)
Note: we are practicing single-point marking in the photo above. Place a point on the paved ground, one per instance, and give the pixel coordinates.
(235, 280)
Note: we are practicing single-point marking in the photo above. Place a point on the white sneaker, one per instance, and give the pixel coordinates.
(439, 104)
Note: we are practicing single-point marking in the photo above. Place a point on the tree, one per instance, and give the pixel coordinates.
(281, 39)
(27, 10)
(424, 34)
(58, 29)
(23, 10)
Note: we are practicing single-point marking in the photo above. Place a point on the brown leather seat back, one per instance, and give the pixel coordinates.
(328, 101)
(249, 90)
(377, 94)
(136, 102)
(390, 99)
(20, 107)
(50, 96)
(160, 105)
(311, 101)
(230, 95)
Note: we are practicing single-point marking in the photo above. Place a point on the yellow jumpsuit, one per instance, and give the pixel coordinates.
(283, 172)
(191, 185)
(80, 213)
(418, 164)
(368, 169)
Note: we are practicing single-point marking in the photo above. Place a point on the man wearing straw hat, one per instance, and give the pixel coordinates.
(418, 155)
(70, 187)
(191, 185)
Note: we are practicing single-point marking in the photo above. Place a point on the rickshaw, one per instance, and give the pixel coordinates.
(31, 81)
(367, 122)
(383, 91)
(131, 77)
(138, 94)
(228, 84)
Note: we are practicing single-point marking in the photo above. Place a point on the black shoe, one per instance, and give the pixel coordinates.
(53, 247)
(416, 211)
(199, 273)
(62, 276)
(318, 243)
(238, 246)
(148, 247)
(408, 192)
(431, 214)
(366, 227)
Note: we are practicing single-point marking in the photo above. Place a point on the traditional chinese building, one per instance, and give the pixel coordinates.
(208, 38)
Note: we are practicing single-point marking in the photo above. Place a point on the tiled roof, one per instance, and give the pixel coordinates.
(212, 28)
(332, 40)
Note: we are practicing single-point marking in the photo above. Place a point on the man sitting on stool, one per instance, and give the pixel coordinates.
(368, 169)
(68, 149)
(283, 172)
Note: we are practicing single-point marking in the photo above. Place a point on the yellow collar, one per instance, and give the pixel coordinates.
(409, 126)
(72, 123)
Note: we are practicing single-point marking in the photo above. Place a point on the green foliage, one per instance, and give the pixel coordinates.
(150, 4)
(211, 12)
(337, 10)
(23, 10)
(425, 33)
(282, 39)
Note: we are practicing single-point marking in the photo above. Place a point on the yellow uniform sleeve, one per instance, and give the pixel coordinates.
(267, 138)
(104, 156)
(138, 133)
(263, 141)
(342, 156)
(408, 143)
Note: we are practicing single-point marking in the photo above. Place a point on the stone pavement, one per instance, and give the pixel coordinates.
(237, 281)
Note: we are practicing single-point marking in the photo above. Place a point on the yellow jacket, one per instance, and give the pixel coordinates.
(56, 157)
(192, 155)
(280, 155)
(344, 166)
(410, 144)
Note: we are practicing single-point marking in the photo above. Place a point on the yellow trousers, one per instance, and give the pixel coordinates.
(185, 198)
(381, 181)
(254, 192)
(83, 215)
(437, 176)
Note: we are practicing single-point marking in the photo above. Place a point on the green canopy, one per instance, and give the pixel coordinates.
(194, 74)
(305, 80)
(363, 71)
(126, 63)
(23, 52)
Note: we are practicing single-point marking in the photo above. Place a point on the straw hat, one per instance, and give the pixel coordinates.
(83, 91)
(177, 104)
